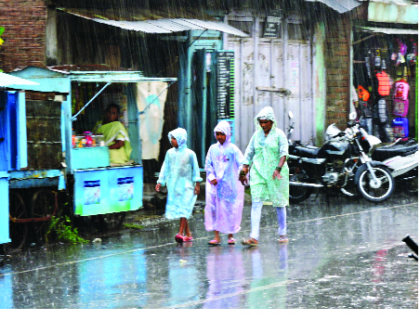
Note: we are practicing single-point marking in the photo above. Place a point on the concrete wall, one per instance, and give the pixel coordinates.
(24, 35)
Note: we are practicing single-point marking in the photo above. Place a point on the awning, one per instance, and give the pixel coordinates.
(114, 77)
(342, 6)
(388, 30)
(10, 81)
(165, 26)
(393, 11)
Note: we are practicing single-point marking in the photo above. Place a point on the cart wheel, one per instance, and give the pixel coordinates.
(43, 205)
(18, 231)
(112, 221)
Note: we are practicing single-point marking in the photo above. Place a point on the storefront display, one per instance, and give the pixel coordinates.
(384, 69)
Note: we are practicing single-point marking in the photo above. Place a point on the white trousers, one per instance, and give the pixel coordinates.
(256, 218)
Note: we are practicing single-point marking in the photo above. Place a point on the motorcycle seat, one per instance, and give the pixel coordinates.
(386, 152)
(307, 151)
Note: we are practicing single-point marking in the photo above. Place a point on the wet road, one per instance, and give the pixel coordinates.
(341, 255)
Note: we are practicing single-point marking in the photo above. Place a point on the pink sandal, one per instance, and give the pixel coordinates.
(188, 239)
(232, 241)
(214, 242)
(179, 238)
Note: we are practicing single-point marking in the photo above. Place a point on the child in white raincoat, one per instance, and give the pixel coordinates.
(224, 192)
(181, 174)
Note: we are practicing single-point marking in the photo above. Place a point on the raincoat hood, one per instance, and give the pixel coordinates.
(180, 135)
(224, 127)
(266, 113)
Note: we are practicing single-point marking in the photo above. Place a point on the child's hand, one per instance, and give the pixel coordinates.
(214, 182)
(157, 187)
(197, 188)
(243, 180)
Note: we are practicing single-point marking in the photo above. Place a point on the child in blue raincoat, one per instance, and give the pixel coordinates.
(181, 174)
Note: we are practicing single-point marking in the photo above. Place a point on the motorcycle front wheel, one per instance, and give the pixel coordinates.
(298, 194)
(376, 192)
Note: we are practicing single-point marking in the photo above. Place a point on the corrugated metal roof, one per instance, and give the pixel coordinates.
(10, 81)
(389, 30)
(342, 6)
(166, 26)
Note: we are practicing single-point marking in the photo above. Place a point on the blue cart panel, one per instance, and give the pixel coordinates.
(108, 190)
(4, 208)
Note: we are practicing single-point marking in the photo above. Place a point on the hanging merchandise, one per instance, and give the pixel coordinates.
(368, 66)
(363, 93)
(384, 83)
(377, 59)
(412, 53)
(382, 111)
(401, 53)
(365, 109)
(384, 58)
(400, 127)
(401, 90)
(400, 107)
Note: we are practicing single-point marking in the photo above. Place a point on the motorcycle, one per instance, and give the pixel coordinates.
(342, 162)
(402, 158)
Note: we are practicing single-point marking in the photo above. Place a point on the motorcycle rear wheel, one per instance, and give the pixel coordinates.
(381, 193)
(298, 194)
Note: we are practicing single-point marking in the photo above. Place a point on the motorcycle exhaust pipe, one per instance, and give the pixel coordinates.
(300, 184)
(410, 243)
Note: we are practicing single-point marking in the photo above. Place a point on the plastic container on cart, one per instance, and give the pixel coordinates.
(400, 127)
(88, 138)
(99, 140)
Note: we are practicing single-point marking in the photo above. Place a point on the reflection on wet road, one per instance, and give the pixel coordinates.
(340, 255)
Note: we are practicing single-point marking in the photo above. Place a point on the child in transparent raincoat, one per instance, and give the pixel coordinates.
(224, 192)
(181, 174)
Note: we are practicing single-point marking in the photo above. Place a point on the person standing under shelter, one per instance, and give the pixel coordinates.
(181, 174)
(115, 135)
(224, 192)
(267, 153)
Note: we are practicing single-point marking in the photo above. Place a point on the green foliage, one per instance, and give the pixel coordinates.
(1, 32)
(133, 226)
(62, 228)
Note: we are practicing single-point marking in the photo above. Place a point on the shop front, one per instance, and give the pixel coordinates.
(385, 71)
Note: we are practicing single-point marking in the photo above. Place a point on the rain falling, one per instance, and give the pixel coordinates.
(209, 154)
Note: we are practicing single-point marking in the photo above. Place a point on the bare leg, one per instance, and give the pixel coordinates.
(216, 236)
(187, 229)
(230, 236)
(182, 222)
